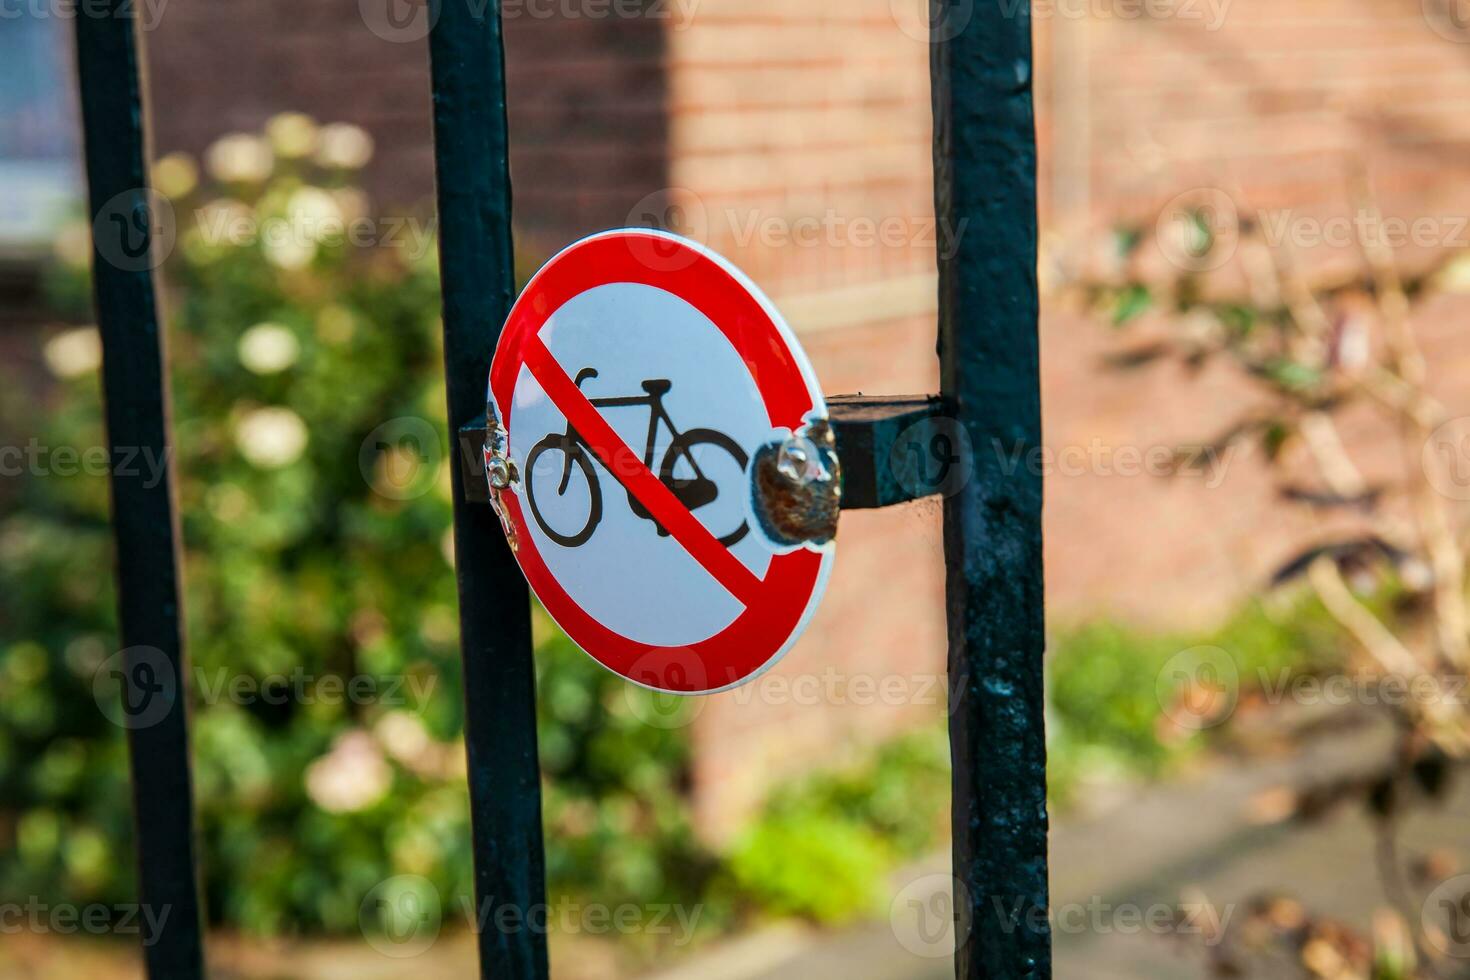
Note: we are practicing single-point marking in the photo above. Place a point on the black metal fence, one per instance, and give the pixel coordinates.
(984, 177)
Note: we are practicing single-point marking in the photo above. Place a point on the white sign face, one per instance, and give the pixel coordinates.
(636, 378)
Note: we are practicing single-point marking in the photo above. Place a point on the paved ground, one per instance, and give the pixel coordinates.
(1202, 838)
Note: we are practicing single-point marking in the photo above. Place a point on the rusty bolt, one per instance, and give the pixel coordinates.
(797, 490)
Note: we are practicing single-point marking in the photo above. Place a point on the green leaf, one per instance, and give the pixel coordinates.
(1131, 303)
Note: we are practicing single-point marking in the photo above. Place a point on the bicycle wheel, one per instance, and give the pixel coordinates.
(695, 489)
(572, 453)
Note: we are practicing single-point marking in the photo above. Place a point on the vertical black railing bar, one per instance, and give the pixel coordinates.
(985, 198)
(478, 281)
(145, 519)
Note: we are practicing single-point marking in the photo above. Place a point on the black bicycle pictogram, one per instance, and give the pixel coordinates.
(689, 484)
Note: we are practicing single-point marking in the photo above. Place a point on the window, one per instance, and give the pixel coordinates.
(39, 170)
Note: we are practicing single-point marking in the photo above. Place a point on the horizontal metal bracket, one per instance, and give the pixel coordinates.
(874, 435)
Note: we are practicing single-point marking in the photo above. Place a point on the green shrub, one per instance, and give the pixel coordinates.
(820, 866)
(824, 845)
(1107, 717)
(316, 545)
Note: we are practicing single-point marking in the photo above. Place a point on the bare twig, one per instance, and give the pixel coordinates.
(1452, 618)
(1391, 879)
(1442, 723)
(1339, 471)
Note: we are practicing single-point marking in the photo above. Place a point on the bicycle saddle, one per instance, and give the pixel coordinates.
(658, 386)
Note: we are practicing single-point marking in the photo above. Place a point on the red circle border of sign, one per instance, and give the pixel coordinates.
(794, 580)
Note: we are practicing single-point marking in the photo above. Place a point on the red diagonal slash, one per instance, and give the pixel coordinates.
(628, 469)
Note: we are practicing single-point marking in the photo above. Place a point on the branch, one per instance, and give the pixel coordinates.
(1444, 724)
(1446, 557)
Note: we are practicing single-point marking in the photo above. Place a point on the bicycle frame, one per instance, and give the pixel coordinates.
(692, 492)
(656, 414)
(654, 401)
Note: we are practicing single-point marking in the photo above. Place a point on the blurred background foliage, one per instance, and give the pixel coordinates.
(305, 364)
(306, 380)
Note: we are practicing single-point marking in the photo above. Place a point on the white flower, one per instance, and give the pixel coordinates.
(315, 215)
(292, 134)
(271, 437)
(404, 736)
(351, 777)
(345, 146)
(289, 252)
(175, 175)
(74, 353)
(225, 221)
(239, 158)
(268, 348)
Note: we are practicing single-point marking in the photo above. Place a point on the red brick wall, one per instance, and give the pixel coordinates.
(587, 100)
(794, 138)
(784, 112)
(799, 142)
(1270, 101)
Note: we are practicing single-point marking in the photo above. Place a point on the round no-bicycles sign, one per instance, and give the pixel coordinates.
(636, 379)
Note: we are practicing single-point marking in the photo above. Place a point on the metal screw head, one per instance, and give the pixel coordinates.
(497, 468)
(800, 462)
